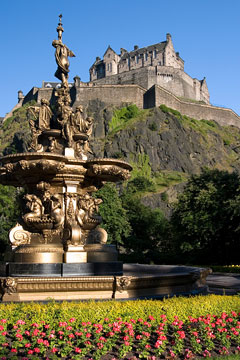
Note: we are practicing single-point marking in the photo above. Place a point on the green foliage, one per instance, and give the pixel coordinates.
(152, 126)
(149, 228)
(141, 166)
(164, 108)
(122, 116)
(164, 196)
(18, 125)
(9, 212)
(165, 178)
(53, 312)
(113, 214)
(207, 216)
(140, 184)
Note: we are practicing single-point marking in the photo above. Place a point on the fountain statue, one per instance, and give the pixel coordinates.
(58, 249)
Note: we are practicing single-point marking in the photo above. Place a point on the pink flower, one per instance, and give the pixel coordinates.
(27, 332)
(151, 317)
(3, 321)
(47, 326)
(126, 343)
(54, 350)
(35, 325)
(20, 322)
(77, 350)
(30, 352)
(88, 335)
(181, 334)
(14, 350)
(72, 320)
(147, 346)
(158, 343)
(36, 350)
(28, 345)
(69, 327)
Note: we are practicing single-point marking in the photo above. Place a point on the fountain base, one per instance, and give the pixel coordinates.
(79, 281)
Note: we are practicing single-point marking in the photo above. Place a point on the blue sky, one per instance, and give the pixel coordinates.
(205, 32)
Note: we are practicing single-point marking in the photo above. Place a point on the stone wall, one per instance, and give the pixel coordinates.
(110, 94)
(174, 80)
(158, 95)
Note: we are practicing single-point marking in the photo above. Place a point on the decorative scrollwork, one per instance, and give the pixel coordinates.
(18, 236)
(122, 283)
(9, 285)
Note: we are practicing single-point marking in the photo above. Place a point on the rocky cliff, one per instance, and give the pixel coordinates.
(161, 144)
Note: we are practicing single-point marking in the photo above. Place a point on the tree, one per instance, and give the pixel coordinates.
(114, 216)
(149, 236)
(206, 219)
(9, 210)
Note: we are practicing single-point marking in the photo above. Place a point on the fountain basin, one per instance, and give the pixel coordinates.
(138, 281)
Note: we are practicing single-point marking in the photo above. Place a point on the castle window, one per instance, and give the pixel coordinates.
(137, 59)
(109, 67)
(146, 56)
(159, 63)
(154, 54)
(129, 61)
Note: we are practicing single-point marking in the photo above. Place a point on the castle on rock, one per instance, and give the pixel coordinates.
(156, 64)
(147, 77)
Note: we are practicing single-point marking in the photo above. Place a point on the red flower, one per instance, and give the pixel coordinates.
(36, 350)
(54, 350)
(77, 350)
(14, 350)
(88, 335)
(181, 334)
(28, 345)
(72, 320)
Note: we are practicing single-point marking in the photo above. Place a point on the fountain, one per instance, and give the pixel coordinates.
(58, 249)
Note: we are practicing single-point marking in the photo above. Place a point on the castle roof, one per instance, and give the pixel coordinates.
(159, 46)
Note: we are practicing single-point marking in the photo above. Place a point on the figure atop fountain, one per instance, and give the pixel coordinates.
(61, 54)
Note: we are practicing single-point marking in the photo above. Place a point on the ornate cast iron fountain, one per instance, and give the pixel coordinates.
(58, 248)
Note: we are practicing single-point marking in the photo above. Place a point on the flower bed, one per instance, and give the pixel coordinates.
(162, 336)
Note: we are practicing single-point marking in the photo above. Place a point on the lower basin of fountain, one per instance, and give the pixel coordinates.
(79, 282)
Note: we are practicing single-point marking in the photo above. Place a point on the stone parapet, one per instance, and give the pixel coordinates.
(157, 96)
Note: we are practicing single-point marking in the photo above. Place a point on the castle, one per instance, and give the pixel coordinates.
(157, 64)
(147, 77)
